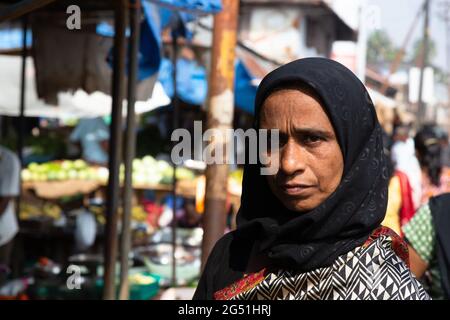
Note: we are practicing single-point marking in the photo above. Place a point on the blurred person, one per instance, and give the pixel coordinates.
(435, 175)
(191, 218)
(429, 245)
(9, 190)
(404, 158)
(93, 135)
(312, 230)
(400, 208)
(386, 117)
(445, 148)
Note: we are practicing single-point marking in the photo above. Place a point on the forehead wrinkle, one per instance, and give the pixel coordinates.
(290, 102)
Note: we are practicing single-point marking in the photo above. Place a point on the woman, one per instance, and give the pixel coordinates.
(403, 154)
(311, 231)
(435, 175)
(429, 240)
(400, 206)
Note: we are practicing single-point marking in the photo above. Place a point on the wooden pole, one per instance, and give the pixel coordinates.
(130, 146)
(21, 133)
(121, 12)
(23, 87)
(175, 123)
(220, 117)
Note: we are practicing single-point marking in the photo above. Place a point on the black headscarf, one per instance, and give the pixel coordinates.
(429, 149)
(306, 241)
(440, 209)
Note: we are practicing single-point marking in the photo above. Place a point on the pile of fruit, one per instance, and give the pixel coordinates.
(146, 171)
(60, 171)
(48, 210)
(138, 213)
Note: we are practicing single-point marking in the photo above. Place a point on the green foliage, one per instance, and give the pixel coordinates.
(380, 48)
(417, 51)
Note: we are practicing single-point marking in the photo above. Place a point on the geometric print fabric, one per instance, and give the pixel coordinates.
(372, 272)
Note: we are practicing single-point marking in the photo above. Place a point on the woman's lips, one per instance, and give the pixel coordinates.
(296, 190)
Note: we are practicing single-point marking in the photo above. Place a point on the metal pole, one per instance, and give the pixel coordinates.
(121, 12)
(423, 64)
(21, 8)
(446, 17)
(21, 133)
(220, 117)
(20, 138)
(130, 146)
(362, 42)
(175, 124)
(400, 54)
(447, 55)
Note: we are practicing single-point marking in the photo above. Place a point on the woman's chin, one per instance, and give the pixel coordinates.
(300, 206)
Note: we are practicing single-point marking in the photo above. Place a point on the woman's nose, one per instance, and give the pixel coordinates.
(292, 158)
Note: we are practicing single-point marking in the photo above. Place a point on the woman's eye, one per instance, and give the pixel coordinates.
(312, 139)
(282, 140)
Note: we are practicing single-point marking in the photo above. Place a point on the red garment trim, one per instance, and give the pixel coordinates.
(398, 244)
(245, 284)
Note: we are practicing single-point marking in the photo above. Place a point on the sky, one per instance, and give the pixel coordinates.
(396, 17)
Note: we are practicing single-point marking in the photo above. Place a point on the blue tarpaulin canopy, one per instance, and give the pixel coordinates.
(11, 39)
(192, 86)
(244, 88)
(192, 83)
(150, 40)
(194, 6)
(159, 15)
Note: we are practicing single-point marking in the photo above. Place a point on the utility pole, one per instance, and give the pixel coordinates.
(219, 118)
(445, 16)
(447, 54)
(401, 53)
(447, 51)
(423, 64)
(362, 42)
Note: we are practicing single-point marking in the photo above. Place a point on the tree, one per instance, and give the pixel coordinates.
(440, 75)
(417, 51)
(380, 48)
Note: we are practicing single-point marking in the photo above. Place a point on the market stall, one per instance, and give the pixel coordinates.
(56, 194)
(57, 197)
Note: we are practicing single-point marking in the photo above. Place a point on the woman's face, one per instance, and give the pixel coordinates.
(310, 159)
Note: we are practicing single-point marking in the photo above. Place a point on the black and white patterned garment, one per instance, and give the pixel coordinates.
(369, 272)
